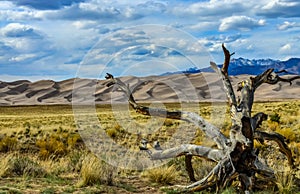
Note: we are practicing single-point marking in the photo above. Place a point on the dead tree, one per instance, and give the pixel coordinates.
(235, 156)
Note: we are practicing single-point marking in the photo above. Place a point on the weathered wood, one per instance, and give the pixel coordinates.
(186, 149)
(280, 140)
(236, 157)
(210, 130)
(257, 119)
(229, 92)
(189, 167)
(270, 77)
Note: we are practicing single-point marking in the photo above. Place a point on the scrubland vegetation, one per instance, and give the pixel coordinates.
(41, 151)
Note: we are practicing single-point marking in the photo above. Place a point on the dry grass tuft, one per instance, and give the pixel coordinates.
(8, 144)
(51, 147)
(202, 167)
(162, 175)
(20, 165)
(95, 171)
(288, 133)
(112, 132)
(285, 182)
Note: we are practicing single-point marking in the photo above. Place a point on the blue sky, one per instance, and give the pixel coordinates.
(42, 39)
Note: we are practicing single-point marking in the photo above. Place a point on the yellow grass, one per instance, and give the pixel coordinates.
(162, 175)
(48, 136)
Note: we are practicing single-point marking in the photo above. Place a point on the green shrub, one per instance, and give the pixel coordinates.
(275, 117)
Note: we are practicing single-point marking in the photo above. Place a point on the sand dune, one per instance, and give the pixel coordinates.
(172, 88)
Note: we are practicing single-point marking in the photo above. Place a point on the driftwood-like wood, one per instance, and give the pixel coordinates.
(235, 157)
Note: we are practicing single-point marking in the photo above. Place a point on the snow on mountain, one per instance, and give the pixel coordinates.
(241, 66)
(256, 66)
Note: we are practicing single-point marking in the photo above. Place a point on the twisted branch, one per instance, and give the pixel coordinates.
(236, 156)
(210, 130)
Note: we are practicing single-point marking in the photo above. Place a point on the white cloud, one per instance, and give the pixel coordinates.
(22, 57)
(214, 43)
(94, 11)
(286, 48)
(82, 24)
(23, 43)
(242, 23)
(215, 8)
(5, 5)
(46, 36)
(280, 8)
(287, 25)
(9, 12)
(150, 7)
(18, 30)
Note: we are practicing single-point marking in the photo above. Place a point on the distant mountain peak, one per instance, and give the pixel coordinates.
(239, 66)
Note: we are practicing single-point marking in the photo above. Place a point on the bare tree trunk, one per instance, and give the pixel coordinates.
(236, 158)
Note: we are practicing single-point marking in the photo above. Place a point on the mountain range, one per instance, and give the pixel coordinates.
(241, 66)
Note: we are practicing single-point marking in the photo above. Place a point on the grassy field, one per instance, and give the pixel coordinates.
(41, 150)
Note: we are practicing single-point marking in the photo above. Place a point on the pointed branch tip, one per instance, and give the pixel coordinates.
(109, 76)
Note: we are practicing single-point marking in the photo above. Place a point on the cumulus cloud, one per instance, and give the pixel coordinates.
(84, 12)
(211, 8)
(213, 43)
(9, 12)
(132, 46)
(94, 12)
(151, 7)
(106, 11)
(58, 33)
(22, 43)
(45, 4)
(287, 25)
(226, 38)
(18, 30)
(280, 8)
(242, 23)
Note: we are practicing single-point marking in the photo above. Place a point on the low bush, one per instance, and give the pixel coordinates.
(51, 147)
(275, 117)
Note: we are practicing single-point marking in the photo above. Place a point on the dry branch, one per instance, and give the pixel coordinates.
(187, 149)
(280, 140)
(210, 130)
(236, 157)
